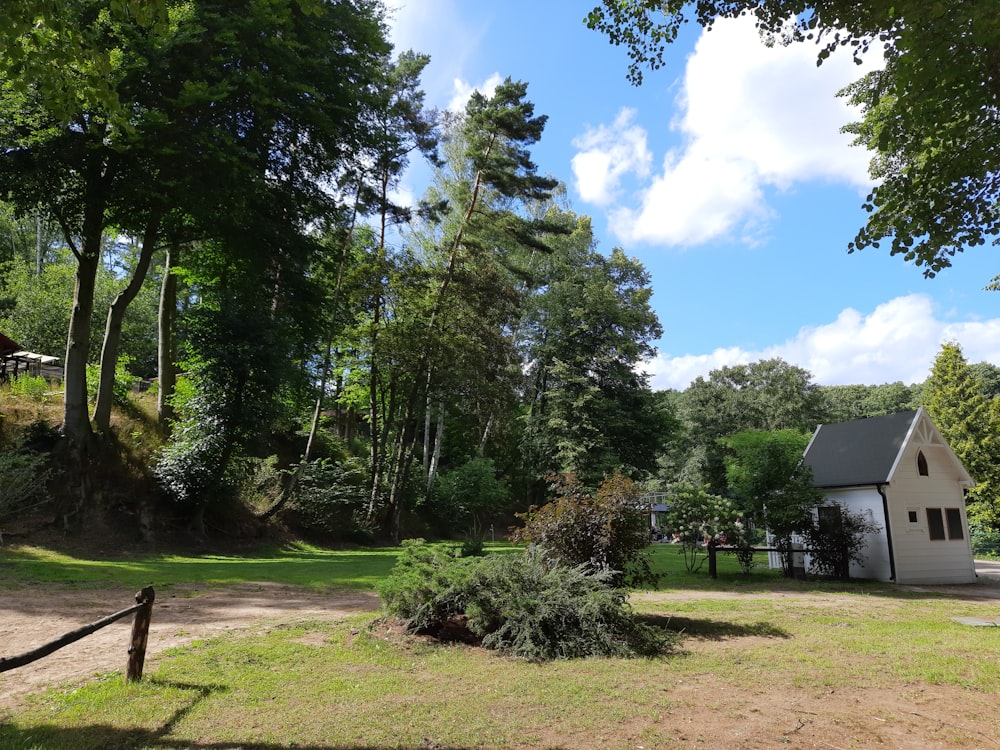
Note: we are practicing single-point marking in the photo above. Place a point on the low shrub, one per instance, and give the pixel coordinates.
(607, 530)
(984, 541)
(697, 516)
(836, 538)
(527, 605)
(31, 387)
(23, 479)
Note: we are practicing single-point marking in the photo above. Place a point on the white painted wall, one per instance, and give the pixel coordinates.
(918, 558)
(867, 502)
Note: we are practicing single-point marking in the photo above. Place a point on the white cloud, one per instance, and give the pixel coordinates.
(440, 29)
(606, 154)
(897, 341)
(752, 118)
(462, 90)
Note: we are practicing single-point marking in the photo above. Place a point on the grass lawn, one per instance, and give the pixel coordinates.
(324, 685)
(295, 564)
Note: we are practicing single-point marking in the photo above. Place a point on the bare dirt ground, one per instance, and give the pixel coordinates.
(702, 711)
(181, 614)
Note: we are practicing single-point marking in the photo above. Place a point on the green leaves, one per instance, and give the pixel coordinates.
(969, 421)
(606, 530)
(930, 116)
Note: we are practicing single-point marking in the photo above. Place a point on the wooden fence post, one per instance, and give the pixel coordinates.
(140, 634)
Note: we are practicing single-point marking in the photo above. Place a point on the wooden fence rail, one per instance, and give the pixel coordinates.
(794, 560)
(143, 609)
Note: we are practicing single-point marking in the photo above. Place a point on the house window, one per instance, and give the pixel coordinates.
(830, 520)
(921, 464)
(935, 524)
(936, 518)
(912, 515)
(954, 518)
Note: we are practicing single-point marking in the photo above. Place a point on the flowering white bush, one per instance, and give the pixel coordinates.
(697, 516)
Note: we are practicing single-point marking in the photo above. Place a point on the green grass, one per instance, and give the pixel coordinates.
(301, 565)
(318, 685)
(297, 564)
(328, 686)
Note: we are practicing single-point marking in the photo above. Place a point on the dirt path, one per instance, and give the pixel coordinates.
(181, 614)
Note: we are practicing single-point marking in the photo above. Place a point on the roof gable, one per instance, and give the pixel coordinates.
(860, 452)
(868, 451)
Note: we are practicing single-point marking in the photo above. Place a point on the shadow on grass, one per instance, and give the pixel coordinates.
(101, 736)
(712, 630)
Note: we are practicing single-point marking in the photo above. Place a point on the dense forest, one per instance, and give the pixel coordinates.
(221, 226)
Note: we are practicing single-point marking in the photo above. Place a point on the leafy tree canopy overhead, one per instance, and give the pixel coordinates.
(930, 116)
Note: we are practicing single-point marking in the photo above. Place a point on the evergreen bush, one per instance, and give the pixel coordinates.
(526, 605)
(23, 479)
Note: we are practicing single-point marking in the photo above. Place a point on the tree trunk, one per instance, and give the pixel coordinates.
(166, 367)
(113, 329)
(436, 454)
(428, 418)
(76, 420)
(485, 437)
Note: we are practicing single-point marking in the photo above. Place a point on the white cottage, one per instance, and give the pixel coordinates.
(901, 474)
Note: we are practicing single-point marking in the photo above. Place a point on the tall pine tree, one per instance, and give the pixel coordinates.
(970, 422)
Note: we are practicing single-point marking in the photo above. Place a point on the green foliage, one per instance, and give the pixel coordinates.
(699, 517)
(769, 395)
(470, 493)
(587, 327)
(607, 530)
(955, 400)
(525, 605)
(124, 381)
(843, 403)
(24, 476)
(192, 468)
(331, 498)
(835, 538)
(984, 541)
(774, 488)
(39, 309)
(929, 111)
(31, 387)
(424, 586)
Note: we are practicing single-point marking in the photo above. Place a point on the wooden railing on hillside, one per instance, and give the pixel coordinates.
(143, 609)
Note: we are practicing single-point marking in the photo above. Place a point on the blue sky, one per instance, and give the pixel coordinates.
(725, 173)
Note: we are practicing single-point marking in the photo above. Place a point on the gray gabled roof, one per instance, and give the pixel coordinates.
(860, 452)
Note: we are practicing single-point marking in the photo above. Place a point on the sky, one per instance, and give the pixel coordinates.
(727, 176)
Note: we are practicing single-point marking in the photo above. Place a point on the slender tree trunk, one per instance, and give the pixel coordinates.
(486, 436)
(166, 367)
(436, 454)
(428, 418)
(379, 467)
(113, 328)
(378, 423)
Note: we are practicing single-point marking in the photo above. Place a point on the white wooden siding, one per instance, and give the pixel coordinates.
(918, 558)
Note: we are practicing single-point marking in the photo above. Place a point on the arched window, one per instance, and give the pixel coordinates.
(921, 464)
